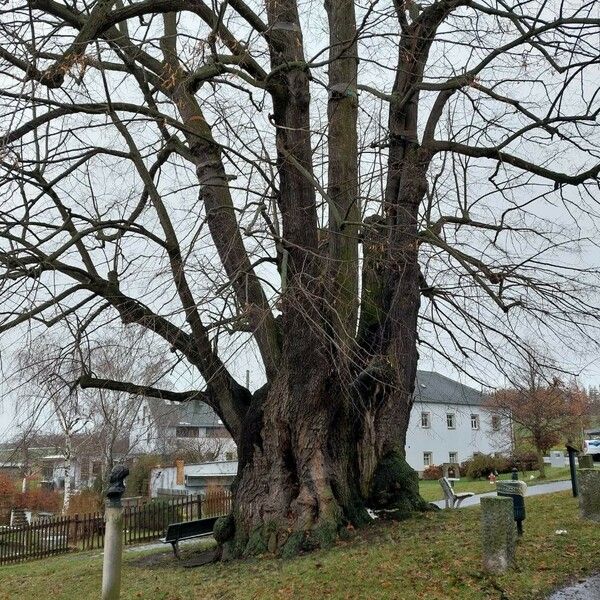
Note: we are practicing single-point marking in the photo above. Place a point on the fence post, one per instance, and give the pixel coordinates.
(113, 537)
(76, 529)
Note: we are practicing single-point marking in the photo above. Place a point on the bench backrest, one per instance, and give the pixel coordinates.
(181, 531)
(448, 491)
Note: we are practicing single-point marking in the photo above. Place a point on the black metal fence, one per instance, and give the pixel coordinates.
(141, 523)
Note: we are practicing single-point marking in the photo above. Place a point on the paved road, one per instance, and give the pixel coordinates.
(585, 590)
(532, 490)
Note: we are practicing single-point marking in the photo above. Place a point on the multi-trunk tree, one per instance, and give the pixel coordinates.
(323, 187)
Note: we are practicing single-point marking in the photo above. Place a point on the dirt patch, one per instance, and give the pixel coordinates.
(192, 555)
(156, 560)
(200, 558)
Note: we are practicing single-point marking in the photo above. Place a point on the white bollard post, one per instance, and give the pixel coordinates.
(113, 536)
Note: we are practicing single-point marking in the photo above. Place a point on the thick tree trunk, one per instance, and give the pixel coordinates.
(542, 464)
(299, 483)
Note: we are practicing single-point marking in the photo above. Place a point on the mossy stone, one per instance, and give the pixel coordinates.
(589, 493)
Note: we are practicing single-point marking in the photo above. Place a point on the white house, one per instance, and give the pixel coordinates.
(449, 423)
(165, 427)
(83, 471)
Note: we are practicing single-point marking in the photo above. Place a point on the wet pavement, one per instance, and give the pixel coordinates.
(585, 590)
(533, 490)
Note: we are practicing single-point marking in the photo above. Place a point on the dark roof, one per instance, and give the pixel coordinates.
(434, 388)
(195, 413)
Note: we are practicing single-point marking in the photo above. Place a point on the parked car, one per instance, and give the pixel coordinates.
(592, 447)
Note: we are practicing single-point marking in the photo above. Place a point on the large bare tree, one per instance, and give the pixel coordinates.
(324, 187)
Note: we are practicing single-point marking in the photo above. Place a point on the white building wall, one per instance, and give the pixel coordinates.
(441, 441)
(164, 479)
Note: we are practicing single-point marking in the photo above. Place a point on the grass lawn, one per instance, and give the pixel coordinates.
(433, 556)
(431, 490)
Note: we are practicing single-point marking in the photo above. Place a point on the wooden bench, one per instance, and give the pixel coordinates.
(188, 530)
(450, 496)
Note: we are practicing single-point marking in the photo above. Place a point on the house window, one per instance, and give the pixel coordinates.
(453, 457)
(96, 469)
(217, 432)
(427, 459)
(85, 470)
(425, 420)
(451, 420)
(474, 421)
(496, 422)
(187, 432)
(229, 456)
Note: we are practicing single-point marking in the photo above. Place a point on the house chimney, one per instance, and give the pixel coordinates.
(179, 464)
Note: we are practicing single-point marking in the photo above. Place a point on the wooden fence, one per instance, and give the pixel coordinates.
(141, 523)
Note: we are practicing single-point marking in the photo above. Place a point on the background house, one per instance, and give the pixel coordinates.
(449, 423)
(167, 428)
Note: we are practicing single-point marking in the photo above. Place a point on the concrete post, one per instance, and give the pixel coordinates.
(498, 533)
(589, 494)
(113, 536)
(113, 551)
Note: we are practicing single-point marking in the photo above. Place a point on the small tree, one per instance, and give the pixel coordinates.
(123, 353)
(49, 373)
(544, 408)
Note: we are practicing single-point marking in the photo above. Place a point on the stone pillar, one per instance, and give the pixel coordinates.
(498, 533)
(589, 494)
(113, 536)
(113, 552)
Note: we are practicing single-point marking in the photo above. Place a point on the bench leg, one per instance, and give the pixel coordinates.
(176, 550)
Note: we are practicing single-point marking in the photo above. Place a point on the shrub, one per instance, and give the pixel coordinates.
(525, 461)
(136, 483)
(40, 499)
(86, 501)
(8, 491)
(432, 472)
(481, 465)
(504, 464)
(157, 515)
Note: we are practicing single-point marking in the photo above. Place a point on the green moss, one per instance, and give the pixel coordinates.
(356, 513)
(257, 542)
(323, 535)
(396, 486)
(224, 529)
(293, 545)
